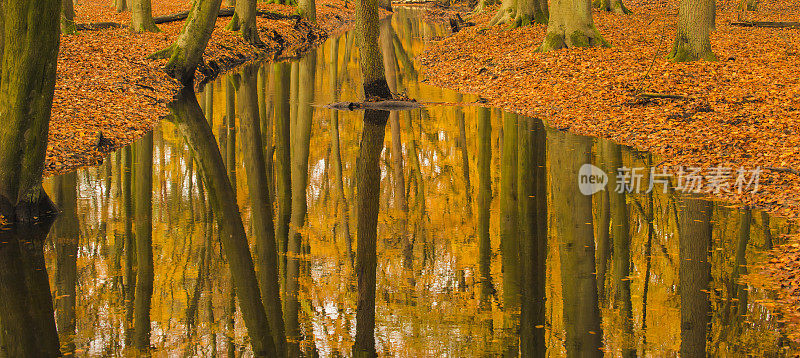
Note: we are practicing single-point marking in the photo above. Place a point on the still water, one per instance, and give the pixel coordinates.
(474, 257)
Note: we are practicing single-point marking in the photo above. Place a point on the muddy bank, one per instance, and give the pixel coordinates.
(108, 93)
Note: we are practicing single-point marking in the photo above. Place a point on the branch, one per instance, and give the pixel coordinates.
(772, 24)
(661, 95)
(783, 170)
(227, 12)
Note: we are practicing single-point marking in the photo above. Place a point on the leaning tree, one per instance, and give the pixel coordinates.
(696, 20)
(571, 25)
(27, 85)
(186, 53)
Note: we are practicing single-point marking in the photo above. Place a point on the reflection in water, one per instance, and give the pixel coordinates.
(428, 201)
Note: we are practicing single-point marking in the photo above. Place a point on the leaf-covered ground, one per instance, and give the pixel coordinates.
(740, 111)
(106, 85)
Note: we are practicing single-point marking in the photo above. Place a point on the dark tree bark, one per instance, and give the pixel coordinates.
(27, 84)
(368, 175)
(509, 233)
(370, 59)
(261, 205)
(280, 78)
(694, 235)
(188, 116)
(67, 235)
(484, 206)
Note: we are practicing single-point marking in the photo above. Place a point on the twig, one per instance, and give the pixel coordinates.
(783, 170)
(773, 24)
(661, 95)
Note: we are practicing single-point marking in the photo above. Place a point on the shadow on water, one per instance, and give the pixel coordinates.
(467, 228)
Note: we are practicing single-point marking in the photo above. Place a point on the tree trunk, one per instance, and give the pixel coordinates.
(336, 156)
(307, 9)
(367, 31)
(694, 235)
(27, 83)
(142, 17)
(130, 250)
(281, 83)
(244, 21)
(261, 206)
(521, 12)
(621, 250)
(186, 53)
(189, 118)
(509, 235)
(571, 25)
(573, 223)
(26, 315)
(615, 6)
(462, 140)
(532, 193)
(368, 173)
(484, 206)
(67, 235)
(144, 242)
(301, 140)
(67, 17)
(121, 5)
(602, 202)
(696, 20)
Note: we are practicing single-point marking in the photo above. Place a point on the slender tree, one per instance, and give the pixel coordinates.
(367, 32)
(188, 116)
(143, 172)
(368, 173)
(261, 205)
(509, 234)
(283, 174)
(571, 25)
(67, 234)
(521, 12)
(27, 84)
(484, 205)
(186, 53)
(696, 20)
(142, 16)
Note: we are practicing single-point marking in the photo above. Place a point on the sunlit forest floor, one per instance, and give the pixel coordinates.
(107, 85)
(740, 111)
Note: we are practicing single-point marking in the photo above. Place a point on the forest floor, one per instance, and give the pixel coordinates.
(740, 111)
(106, 85)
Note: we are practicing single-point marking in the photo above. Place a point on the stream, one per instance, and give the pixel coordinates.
(644, 273)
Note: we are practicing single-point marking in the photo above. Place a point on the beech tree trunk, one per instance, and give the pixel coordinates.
(307, 9)
(694, 235)
(281, 75)
(142, 17)
(367, 32)
(186, 53)
(244, 21)
(121, 5)
(368, 174)
(26, 314)
(509, 234)
(27, 84)
(143, 172)
(696, 20)
(67, 235)
(521, 12)
(67, 17)
(261, 205)
(301, 140)
(574, 231)
(190, 121)
(603, 208)
(571, 25)
(129, 281)
(484, 205)
(615, 6)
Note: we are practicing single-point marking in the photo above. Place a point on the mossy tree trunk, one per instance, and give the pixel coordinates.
(308, 10)
(521, 12)
(615, 6)
(188, 116)
(186, 53)
(142, 16)
(573, 222)
(368, 174)
(367, 32)
(694, 236)
(532, 190)
(571, 25)
(26, 314)
(261, 208)
(696, 20)
(67, 235)
(244, 21)
(120, 5)
(27, 84)
(67, 17)
(143, 172)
